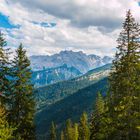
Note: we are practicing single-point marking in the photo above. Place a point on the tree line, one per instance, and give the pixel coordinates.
(117, 115)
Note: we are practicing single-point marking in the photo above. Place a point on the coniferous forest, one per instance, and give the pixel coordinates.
(115, 114)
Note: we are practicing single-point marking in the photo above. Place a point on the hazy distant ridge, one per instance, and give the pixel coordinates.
(79, 60)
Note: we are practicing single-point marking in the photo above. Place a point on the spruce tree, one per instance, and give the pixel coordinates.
(84, 132)
(53, 132)
(99, 105)
(124, 107)
(120, 119)
(97, 119)
(5, 84)
(22, 96)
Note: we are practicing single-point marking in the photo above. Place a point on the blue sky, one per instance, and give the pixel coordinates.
(47, 27)
(4, 22)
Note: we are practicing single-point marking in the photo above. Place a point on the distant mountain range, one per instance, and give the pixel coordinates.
(78, 60)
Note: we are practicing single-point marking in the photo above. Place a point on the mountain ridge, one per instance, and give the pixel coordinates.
(79, 60)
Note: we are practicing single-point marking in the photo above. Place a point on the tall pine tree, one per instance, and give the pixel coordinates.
(124, 103)
(97, 119)
(22, 97)
(5, 83)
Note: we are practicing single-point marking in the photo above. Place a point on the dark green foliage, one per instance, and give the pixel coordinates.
(75, 131)
(97, 118)
(16, 94)
(5, 84)
(120, 118)
(99, 105)
(6, 130)
(22, 113)
(124, 106)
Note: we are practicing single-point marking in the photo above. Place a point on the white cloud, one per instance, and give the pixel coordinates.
(91, 26)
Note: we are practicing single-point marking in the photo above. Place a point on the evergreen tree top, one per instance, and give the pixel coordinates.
(2, 40)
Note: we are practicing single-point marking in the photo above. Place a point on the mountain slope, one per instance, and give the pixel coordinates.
(50, 94)
(53, 75)
(70, 107)
(79, 60)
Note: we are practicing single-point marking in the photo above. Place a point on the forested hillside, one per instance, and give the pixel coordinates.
(50, 94)
(70, 107)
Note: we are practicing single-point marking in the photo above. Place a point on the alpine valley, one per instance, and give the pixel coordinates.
(62, 84)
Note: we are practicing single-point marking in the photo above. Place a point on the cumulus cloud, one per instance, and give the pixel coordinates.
(91, 26)
(83, 13)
